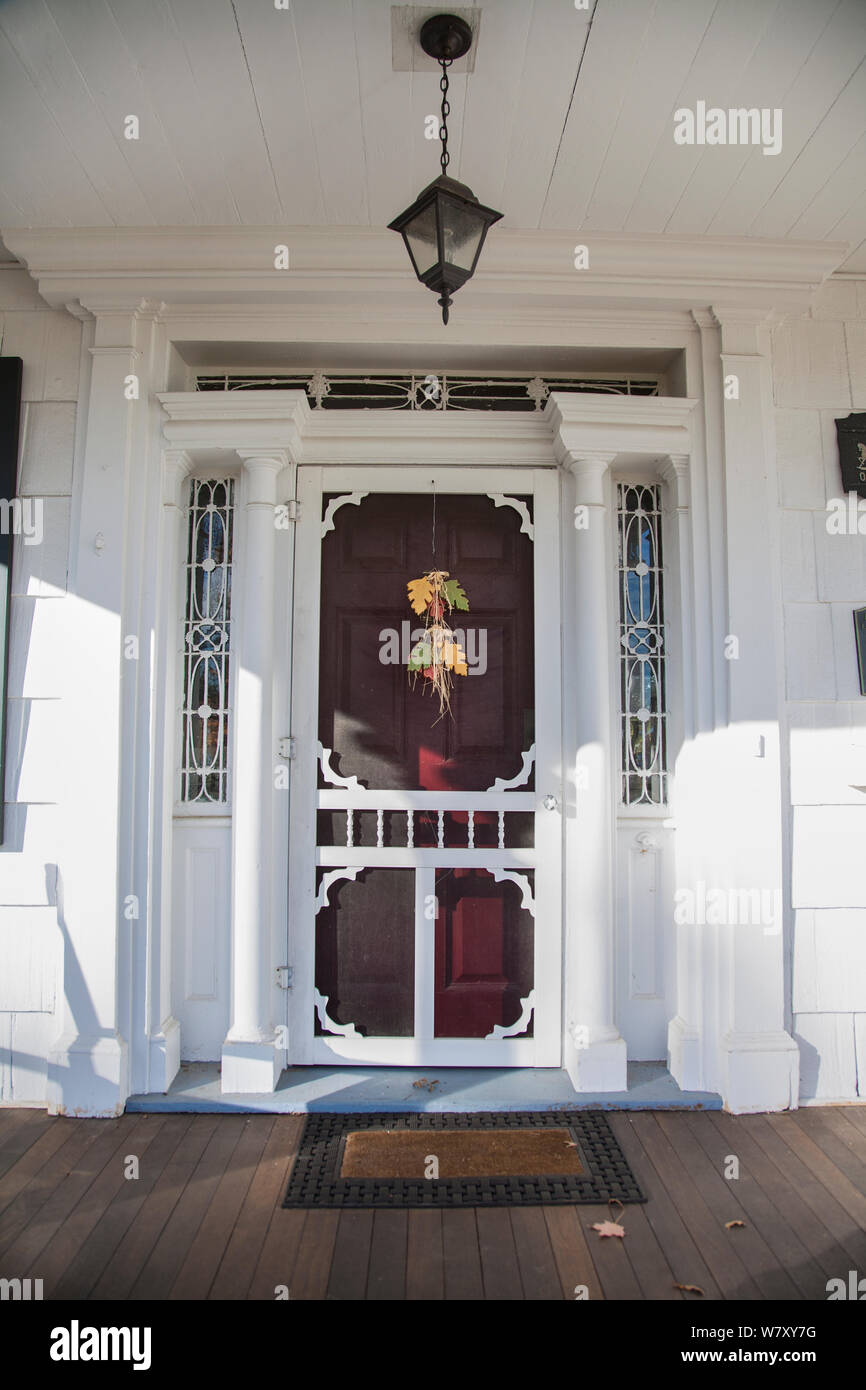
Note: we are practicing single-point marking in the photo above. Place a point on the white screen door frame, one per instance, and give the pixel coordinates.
(343, 1044)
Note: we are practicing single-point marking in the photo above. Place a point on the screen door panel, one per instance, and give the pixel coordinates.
(428, 869)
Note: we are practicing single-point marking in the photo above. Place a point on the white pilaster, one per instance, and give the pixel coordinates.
(594, 1051)
(251, 1058)
(88, 1064)
(758, 1059)
(684, 1033)
(164, 1041)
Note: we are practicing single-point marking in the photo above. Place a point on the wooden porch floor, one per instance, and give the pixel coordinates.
(203, 1219)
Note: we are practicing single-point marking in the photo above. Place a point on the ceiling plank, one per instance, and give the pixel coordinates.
(490, 111)
(847, 184)
(390, 128)
(830, 143)
(667, 53)
(615, 39)
(115, 90)
(779, 56)
(271, 46)
(150, 35)
(43, 94)
(326, 38)
(727, 47)
(209, 33)
(555, 46)
(834, 58)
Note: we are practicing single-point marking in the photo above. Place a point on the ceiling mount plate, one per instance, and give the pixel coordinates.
(445, 37)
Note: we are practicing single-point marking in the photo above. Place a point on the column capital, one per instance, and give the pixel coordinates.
(177, 465)
(589, 471)
(261, 469)
(674, 470)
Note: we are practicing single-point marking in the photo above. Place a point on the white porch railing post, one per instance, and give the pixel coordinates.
(251, 1058)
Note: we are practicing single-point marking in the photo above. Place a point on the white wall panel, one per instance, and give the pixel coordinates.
(201, 923)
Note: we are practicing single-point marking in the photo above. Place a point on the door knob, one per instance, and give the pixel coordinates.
(550, 802)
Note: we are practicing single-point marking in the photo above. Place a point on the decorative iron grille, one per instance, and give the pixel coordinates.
(428, 390)
(641, 638)
(207, 630)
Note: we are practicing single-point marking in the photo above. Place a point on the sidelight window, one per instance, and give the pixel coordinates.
(641, 645)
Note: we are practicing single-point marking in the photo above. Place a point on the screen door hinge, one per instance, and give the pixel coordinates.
(284, 976)
(286, 748)
(293, 509)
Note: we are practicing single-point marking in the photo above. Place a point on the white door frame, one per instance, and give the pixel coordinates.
(545, 1047)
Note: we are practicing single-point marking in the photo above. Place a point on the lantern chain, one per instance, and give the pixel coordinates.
(446, 112)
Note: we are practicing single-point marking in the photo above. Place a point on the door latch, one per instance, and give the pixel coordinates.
(286, 748)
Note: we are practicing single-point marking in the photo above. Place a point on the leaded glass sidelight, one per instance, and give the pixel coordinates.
(206, 639)
(641, 639)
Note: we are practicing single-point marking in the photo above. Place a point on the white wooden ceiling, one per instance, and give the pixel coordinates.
(255, 115)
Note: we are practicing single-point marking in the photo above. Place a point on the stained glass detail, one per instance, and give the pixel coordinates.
(641, 641)
(206, 642)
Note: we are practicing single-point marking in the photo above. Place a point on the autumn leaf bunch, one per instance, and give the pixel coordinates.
(438, 656)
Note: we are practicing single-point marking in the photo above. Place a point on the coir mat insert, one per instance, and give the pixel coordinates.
(513, 1158)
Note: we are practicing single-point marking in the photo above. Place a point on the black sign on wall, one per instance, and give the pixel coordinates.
(851, 434)
(10, 413)
(860, 638)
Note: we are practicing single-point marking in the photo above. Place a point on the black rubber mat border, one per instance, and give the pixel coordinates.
(314, 1180)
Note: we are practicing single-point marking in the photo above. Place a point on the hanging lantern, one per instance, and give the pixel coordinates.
(445, 228)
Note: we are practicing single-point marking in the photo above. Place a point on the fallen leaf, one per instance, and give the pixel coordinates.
(608, 1228)
(420, 593)
(689, 1288)
(729, 1224)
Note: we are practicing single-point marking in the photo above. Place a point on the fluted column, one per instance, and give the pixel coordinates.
(595, 1054)
(251, 1060)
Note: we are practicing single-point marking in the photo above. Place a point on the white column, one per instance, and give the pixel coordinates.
(595, 1054)
(163, 1028)
(758, 1059)
(251, 1058)
(688, 787)
(88, 1063)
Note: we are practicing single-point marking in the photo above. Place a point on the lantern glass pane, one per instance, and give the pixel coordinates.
(420, 236)
(462, 234)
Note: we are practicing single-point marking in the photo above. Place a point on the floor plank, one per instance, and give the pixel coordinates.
(612, 1265)
(80, 1135)
(131, 1254)
(810, 1147)
(162, 1265)
(838, 1139)
(315, 1252)
(499, 1268)
(386, 1277)
(843, 1230)
(351, 1259)
(266, 1190)
(723, 1198)
(461, 1255)
(199, 1269)
(678, 1258)
(538, 1273)
(425, 1262)
(276, 1267)
(32, 1161)
(571, 1253)
(84, 1271)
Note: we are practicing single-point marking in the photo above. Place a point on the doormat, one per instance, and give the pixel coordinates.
(489, 1159)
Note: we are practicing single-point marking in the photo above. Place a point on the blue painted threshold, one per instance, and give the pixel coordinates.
(196, 1088)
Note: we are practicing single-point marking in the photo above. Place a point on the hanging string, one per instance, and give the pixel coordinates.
(433, 482)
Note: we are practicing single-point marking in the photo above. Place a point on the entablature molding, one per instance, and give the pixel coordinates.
(630, 428)
(356, 267)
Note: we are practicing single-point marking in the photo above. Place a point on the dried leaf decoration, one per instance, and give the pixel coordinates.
(438, 656)
(610, 1228)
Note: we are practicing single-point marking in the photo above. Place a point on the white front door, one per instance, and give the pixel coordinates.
(425, 851)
